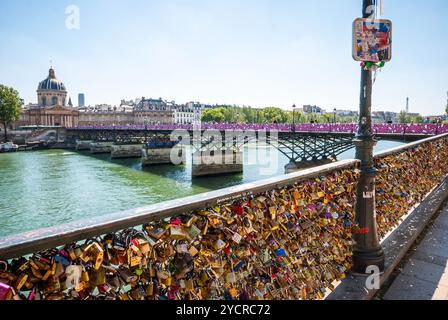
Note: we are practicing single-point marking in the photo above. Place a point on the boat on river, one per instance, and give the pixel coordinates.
(8, 147)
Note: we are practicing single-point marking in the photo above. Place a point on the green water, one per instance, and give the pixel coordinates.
(45, 188)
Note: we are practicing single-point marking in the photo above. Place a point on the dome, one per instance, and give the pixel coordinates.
(51, 83)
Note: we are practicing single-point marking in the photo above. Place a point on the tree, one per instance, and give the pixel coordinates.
(403, 117)
(299, 117)
(446, 109)
(312, 118)
(213, 115)
(327, 118)
(418, 119)
(10, 109)
(275, 115)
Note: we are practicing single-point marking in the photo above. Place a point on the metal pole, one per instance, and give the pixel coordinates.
(293, 118)
(367, 251)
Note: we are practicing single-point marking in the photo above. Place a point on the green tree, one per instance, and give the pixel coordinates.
(210, 115)
(275, 115)
(418, 119)
(446, 109)
(10, 109)
(403, 117)
(312, 118)
(248, 114)
(327, 118)
(299, 117)
(229, 114)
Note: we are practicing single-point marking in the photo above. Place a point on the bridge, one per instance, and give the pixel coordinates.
(289, 237)
(305, 145)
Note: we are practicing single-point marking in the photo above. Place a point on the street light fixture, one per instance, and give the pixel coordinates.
(293, 118)
(367, 251)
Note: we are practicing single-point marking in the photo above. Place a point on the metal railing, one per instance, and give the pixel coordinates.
(408, 146)
(42, 239)
(332, 208)
(46, 238)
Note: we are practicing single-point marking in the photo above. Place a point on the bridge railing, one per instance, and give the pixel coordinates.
(406, 175)
(423, 129)
(288, 237)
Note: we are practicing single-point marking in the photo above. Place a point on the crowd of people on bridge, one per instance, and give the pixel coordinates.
(303, 127)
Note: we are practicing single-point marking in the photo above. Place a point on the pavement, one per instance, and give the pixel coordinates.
(425, 275)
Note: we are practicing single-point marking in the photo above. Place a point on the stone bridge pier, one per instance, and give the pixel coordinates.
(125, 151)
(175, 155)
(216, 162)
(83, 145)
(101, 147)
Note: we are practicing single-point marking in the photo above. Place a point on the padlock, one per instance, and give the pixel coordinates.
(138, 293)
(55, 296)
(21, 281)
(189, 285)
(6, 291)
(193, 251)
(85, 276)
(156, 233)
(127, 275)
(144, 246)
(93, 252)
(47, 275)
(178, 233)
(194, 232)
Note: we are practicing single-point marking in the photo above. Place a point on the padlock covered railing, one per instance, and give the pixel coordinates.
(208, 246)
(406, 174)
(288, 237)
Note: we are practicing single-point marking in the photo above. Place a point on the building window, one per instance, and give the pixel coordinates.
(54, 101)
(44, 101)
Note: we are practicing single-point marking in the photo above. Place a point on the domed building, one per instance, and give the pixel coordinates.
(51, 91)
(51, 109)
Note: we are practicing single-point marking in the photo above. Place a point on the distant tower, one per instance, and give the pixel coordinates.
(407, 105)
(70, 104)
(81, 100)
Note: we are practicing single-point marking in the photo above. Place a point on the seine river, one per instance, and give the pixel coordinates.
(45, 188)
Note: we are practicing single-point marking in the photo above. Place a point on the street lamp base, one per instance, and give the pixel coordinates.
(362, 260)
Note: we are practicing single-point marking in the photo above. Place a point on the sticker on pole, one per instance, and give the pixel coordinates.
(372, 40)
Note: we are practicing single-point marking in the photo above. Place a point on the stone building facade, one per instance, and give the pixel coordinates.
(51, 109)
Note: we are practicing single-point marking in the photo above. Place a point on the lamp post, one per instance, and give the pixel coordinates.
(334, 115)
(293, 118)
(367, 251)
(146, 130)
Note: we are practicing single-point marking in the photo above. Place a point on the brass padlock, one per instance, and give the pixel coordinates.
(93, 252)
(144, 247)
(150, 289)
(20, 282)
(127, 275)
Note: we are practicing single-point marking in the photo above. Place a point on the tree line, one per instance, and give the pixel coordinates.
(236, 114)
(10, 108)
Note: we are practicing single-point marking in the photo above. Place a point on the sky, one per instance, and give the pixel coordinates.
(248, 52)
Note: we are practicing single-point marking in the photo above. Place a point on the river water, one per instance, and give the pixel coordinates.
(44, 188)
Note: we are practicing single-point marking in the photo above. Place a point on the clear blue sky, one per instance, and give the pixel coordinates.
(253, 52)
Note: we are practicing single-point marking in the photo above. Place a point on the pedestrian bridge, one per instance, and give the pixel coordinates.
(289, 237)
(305, 145)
